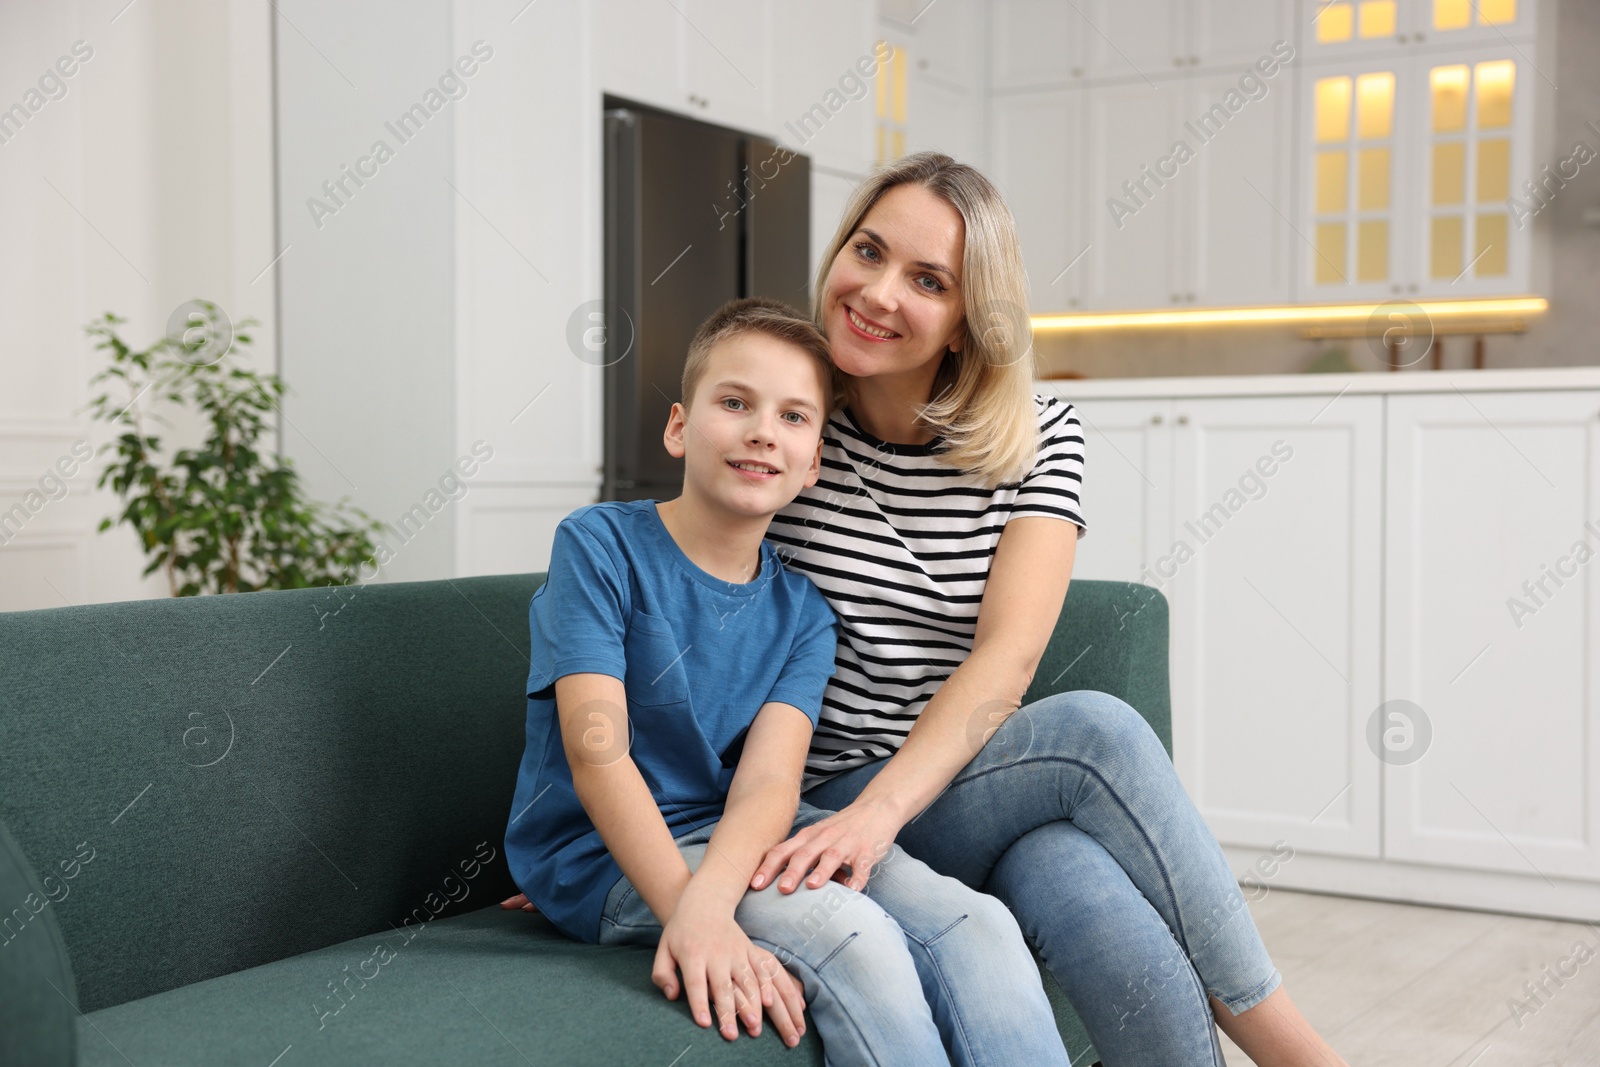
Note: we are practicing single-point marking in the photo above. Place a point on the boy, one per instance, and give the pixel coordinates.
(677, 673)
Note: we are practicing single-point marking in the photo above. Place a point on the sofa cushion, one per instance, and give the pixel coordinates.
(489, 987)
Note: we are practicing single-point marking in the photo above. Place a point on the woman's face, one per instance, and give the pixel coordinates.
(892, 301)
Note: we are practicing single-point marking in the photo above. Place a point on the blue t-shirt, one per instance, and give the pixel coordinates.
(697, 656)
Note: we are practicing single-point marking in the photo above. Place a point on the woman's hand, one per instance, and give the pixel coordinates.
(519, 901)
(857, 838)
(721, 964)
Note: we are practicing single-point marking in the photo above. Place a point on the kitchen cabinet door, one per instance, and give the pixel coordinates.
(1358, 145)
(1140, 39)
(1135, 217)
(1038, 167)
(948, 47)
(1274, 580)
(822, 100)
(1493, 502)
(1236, 191)
(942, 119)
(1472, 121)
(1236, 33)
(644, 63)
(727, 48)
(1036, 43)
(1127, 486)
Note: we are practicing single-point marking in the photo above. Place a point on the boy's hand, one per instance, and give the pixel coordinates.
(721, 964)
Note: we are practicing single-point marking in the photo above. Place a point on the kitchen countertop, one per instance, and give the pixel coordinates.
(1442, 381)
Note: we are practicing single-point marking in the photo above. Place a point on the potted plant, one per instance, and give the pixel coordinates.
(225, 517)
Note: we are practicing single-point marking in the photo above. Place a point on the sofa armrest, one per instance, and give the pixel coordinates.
(37, 1022)
(1112, 637)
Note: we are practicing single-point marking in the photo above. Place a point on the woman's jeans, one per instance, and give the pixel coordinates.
(918, 969)
(1073, 815)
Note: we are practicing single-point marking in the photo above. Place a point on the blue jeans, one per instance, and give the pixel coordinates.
(917, 970)
(1073, 815)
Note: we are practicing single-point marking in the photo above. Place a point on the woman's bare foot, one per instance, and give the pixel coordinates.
(1275, 1034)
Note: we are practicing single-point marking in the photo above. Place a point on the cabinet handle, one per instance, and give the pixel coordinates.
(1072, 302)
(1077, 72)
(1190, 297)
(1194, 61)
(1177, 61)
(1155, 420)
(1411, 288)
(1417, 37)
(1183, 420)
(1175, 298)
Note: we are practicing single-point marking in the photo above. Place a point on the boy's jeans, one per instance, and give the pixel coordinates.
(1073, 815)
(918, 969)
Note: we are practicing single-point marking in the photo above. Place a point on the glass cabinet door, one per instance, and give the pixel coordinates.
(1474, 159)
(1334, 29)
(1356, 150)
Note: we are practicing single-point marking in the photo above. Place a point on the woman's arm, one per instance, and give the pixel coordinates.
(1022, 600)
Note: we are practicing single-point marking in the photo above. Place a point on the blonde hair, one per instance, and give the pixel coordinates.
(774, 318)
(982, 398)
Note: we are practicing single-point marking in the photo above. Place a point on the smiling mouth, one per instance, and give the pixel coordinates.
(867, 328)
(758, 470)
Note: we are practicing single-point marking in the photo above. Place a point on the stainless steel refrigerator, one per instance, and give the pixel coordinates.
(695, 215)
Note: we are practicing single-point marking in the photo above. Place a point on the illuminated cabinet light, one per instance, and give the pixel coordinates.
(1507, 308)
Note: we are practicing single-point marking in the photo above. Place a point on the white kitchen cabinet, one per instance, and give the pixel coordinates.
(1134, 229)
(1409, 162)
(949, 39)
(1039, 170)
(942, 119)
(1234, 195)
(710, 59)
(942, 75)
(1492, 632)
(1035, 43)
(726, 73)
(1273, 577)
(1139, 39)
(1429, 544)
(643, 64)
(1127, 487)
(823, 82)
(1236, 33)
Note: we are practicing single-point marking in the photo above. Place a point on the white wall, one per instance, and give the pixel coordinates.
(368, 291)
(147, 184)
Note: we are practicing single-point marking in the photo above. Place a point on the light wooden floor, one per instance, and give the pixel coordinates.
(1397, 984)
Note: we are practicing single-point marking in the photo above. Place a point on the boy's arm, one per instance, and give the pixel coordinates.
(762, 801)
(595, 732)
(717, 959)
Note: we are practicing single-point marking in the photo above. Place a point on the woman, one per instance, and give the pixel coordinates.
(942, 533)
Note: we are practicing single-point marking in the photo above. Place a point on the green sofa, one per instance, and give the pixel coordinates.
(268, 829)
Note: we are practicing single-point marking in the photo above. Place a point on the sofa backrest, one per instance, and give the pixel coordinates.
(215, 783)
(240, 779)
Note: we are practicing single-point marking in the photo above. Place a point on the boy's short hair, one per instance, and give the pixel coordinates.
(774, 318)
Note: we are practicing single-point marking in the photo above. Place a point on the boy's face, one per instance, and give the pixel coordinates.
(759, 403)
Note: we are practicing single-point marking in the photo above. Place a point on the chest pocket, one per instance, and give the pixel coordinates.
(655, 673)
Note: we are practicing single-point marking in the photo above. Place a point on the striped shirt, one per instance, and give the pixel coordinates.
(900, 544)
